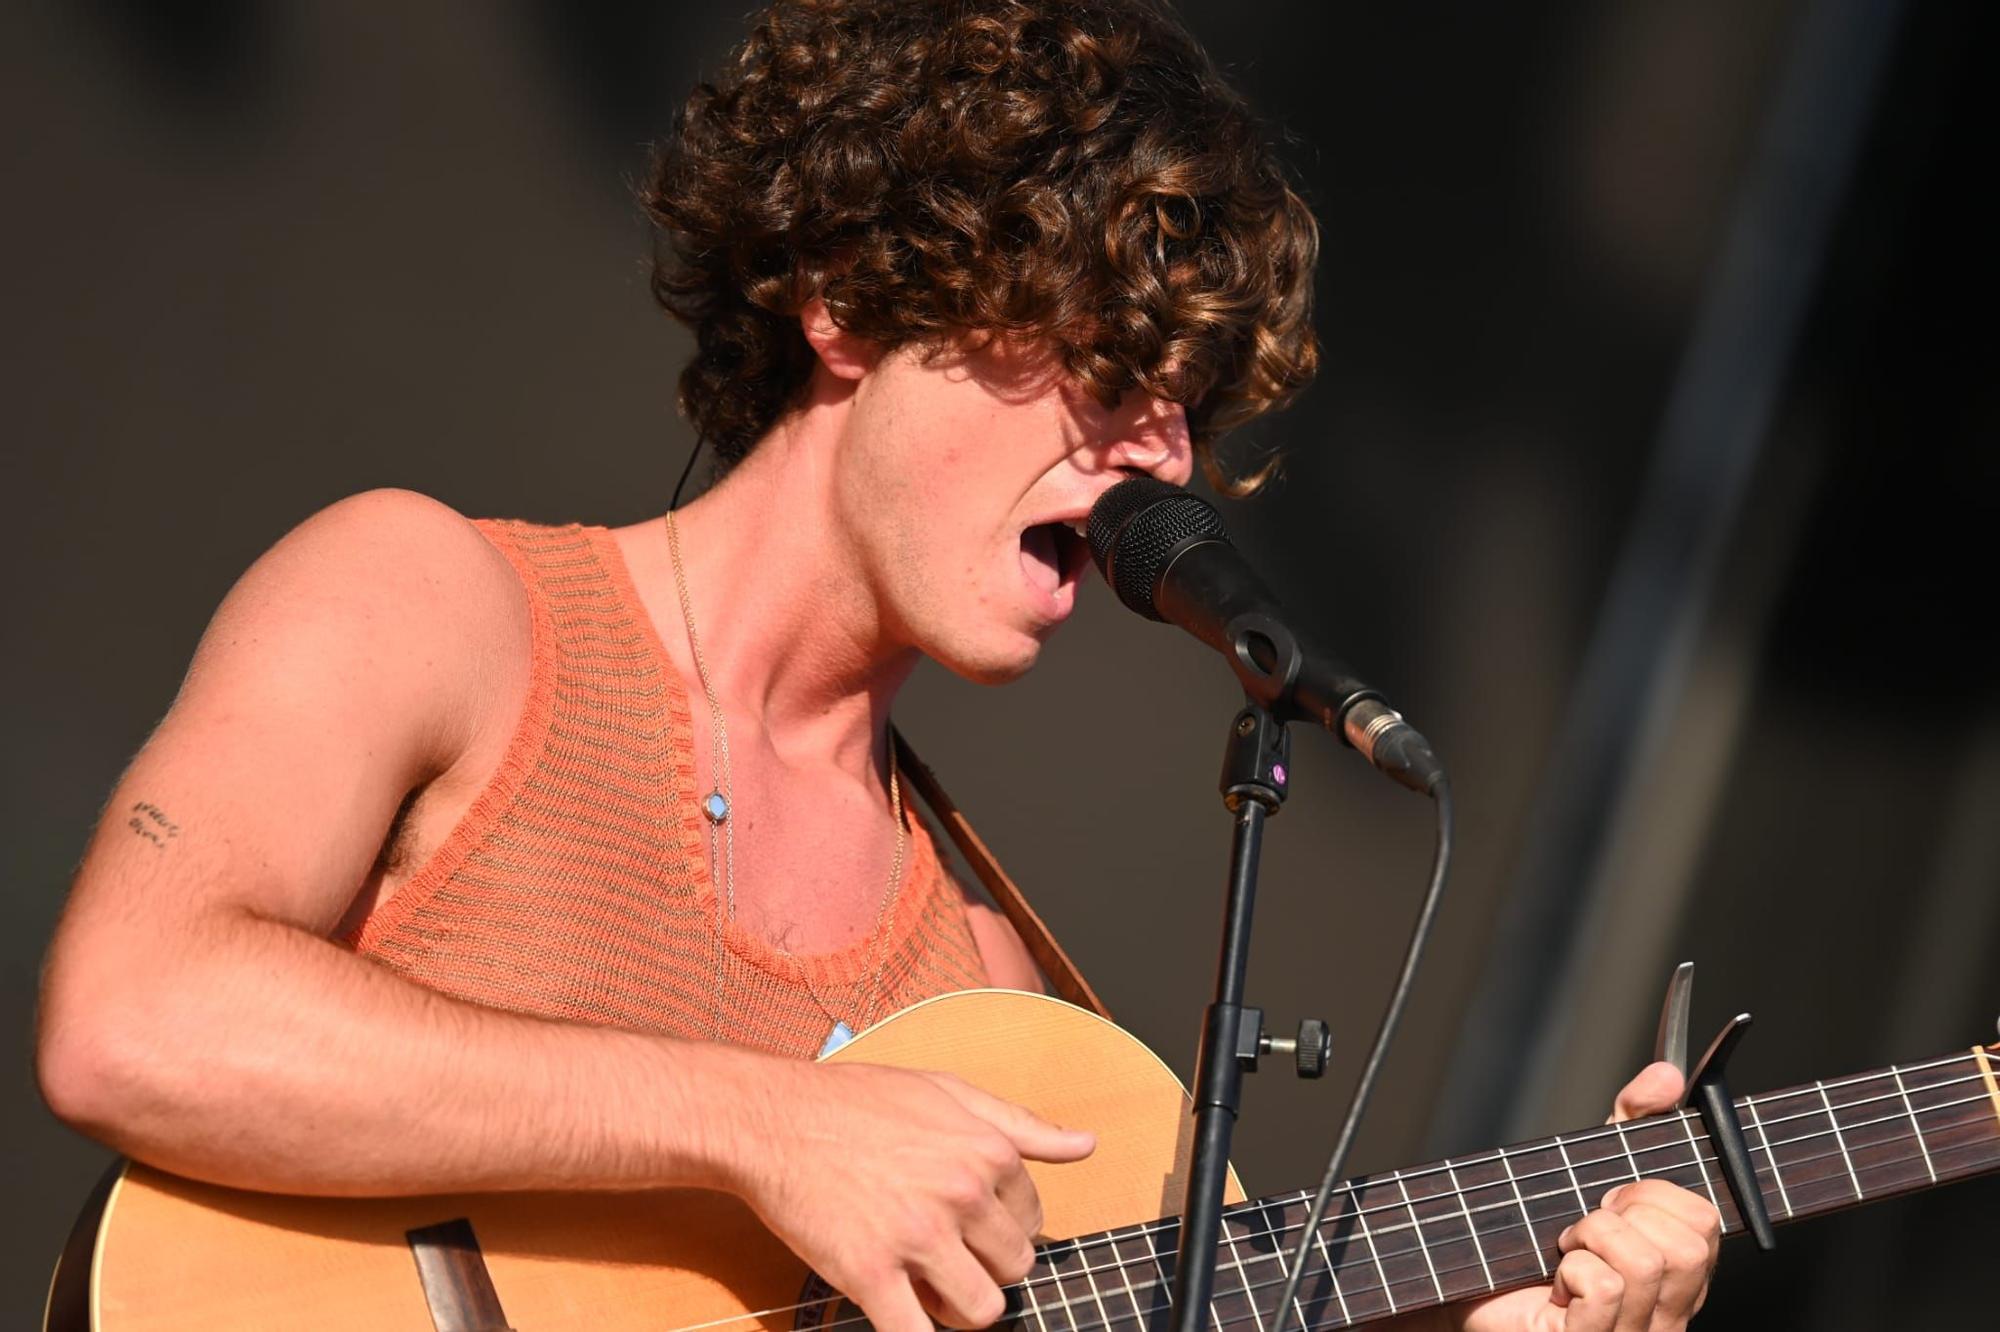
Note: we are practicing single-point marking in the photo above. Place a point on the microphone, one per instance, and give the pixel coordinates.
(1166, 554)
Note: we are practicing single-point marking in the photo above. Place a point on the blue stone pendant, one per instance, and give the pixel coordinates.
(839, 1036)
(716, 806)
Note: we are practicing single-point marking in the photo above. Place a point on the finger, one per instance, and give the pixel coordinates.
(1636, 1259)
(1588, 1292)
(1688, 1259)
(1657, 1088)
(1034, 1137)
(1000, 1241)
(1692, 1209)
(1016, 1193)
(891, 1304)
(967, 1295)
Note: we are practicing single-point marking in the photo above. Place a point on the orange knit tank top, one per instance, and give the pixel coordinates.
(577, 886)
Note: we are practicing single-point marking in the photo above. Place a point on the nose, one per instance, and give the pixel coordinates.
(1155, 440)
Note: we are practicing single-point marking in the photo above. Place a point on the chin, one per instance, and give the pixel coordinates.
(995, 663)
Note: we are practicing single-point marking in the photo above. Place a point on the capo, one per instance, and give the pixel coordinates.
(1707, 1090)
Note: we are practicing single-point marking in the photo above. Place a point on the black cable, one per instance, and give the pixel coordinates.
(681, 484)
(1440, 866)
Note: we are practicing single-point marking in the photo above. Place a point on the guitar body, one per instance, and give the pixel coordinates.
(169, 1253)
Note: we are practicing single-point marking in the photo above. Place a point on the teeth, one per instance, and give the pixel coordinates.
(1081, 528)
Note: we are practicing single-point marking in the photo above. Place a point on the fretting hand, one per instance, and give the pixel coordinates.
(1640, 1263)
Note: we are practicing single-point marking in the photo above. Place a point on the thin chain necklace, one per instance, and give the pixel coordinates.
(717, 806)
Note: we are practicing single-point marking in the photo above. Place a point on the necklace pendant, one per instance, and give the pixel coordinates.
(839, 1036)
(716, 806)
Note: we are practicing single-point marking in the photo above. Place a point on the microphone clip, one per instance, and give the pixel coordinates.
(1267, 659)
(1257, 761)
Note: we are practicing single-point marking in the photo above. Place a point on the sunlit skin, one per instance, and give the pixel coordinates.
(906, 485)
(882, 520)
(382, 648)
(1641, 1262)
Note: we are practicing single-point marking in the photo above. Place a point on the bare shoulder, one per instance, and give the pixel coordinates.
(390, 600)
(1005, 958)
(376, 647)
(398, 577)
(406, 555)
(1007, 961)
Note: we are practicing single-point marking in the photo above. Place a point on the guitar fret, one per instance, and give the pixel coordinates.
(1959, 1123)
(1035, 1303)
(1877, 1132)
(1582, 1203)
(1161, 1289)
(1477, 1248)
(1062, 1292)
(1442, 1225)
(1361, 1220)
(1275, 1237)
(1802, 1144)
(1625, 1146)
(1163, 1243)
(1118, 1265)
(1402, 1267)
(1361, 1297)
(1534, 1245)
(1332, 1273)
(1280, 1247)
(1825, 1145)
(1249, 1296)
(1840, 1140)
(1505, 1240)
(1915, 1127)
(1694, 1145)
(1553, 1205)
(1417, 1231)
(1096, 1297)
(1784, 1199)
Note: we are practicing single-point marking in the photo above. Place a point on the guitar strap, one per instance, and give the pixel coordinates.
(1042, 945)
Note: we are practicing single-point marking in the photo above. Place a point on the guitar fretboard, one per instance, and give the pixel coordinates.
(1458, 1229)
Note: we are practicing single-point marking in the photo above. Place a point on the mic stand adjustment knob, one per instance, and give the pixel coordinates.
(1311, 1050)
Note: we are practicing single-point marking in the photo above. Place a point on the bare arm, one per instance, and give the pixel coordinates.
(195, 1014)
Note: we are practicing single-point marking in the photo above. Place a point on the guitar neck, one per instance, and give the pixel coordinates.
(1458, 1229)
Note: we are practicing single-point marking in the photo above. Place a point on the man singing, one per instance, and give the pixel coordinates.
(487, 855)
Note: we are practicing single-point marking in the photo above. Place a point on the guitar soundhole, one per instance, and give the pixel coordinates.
(820, 1305)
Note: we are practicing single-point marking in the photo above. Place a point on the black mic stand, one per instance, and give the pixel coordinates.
(1255, 768)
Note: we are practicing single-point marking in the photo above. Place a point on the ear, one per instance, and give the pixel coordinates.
(847, 355)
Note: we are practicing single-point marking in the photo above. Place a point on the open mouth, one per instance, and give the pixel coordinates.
(1053, 559)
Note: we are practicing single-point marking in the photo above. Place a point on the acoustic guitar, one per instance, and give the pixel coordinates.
(156, 1252)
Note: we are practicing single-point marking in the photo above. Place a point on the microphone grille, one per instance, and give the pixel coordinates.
(1136, 525)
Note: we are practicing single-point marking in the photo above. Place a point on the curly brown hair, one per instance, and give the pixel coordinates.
(1070, 170)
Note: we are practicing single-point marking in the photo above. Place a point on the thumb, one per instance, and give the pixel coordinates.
(1657, 1088)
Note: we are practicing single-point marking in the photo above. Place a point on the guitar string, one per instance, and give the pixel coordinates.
(1363, 1264)
(1413, 1227)
(1620, 1132)
(1151, 1228)
(1111, 1238)
(1360, 1265)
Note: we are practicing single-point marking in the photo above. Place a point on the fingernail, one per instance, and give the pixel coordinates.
(1562, 1240)
(1611, 1198)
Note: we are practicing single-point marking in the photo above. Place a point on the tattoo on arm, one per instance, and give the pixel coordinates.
(150, 822)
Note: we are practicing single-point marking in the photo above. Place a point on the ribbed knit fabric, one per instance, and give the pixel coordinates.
(577, 886)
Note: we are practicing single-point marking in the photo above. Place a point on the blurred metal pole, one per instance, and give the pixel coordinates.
(1520, 1015)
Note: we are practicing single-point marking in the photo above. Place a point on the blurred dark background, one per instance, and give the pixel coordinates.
(1672, 317)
